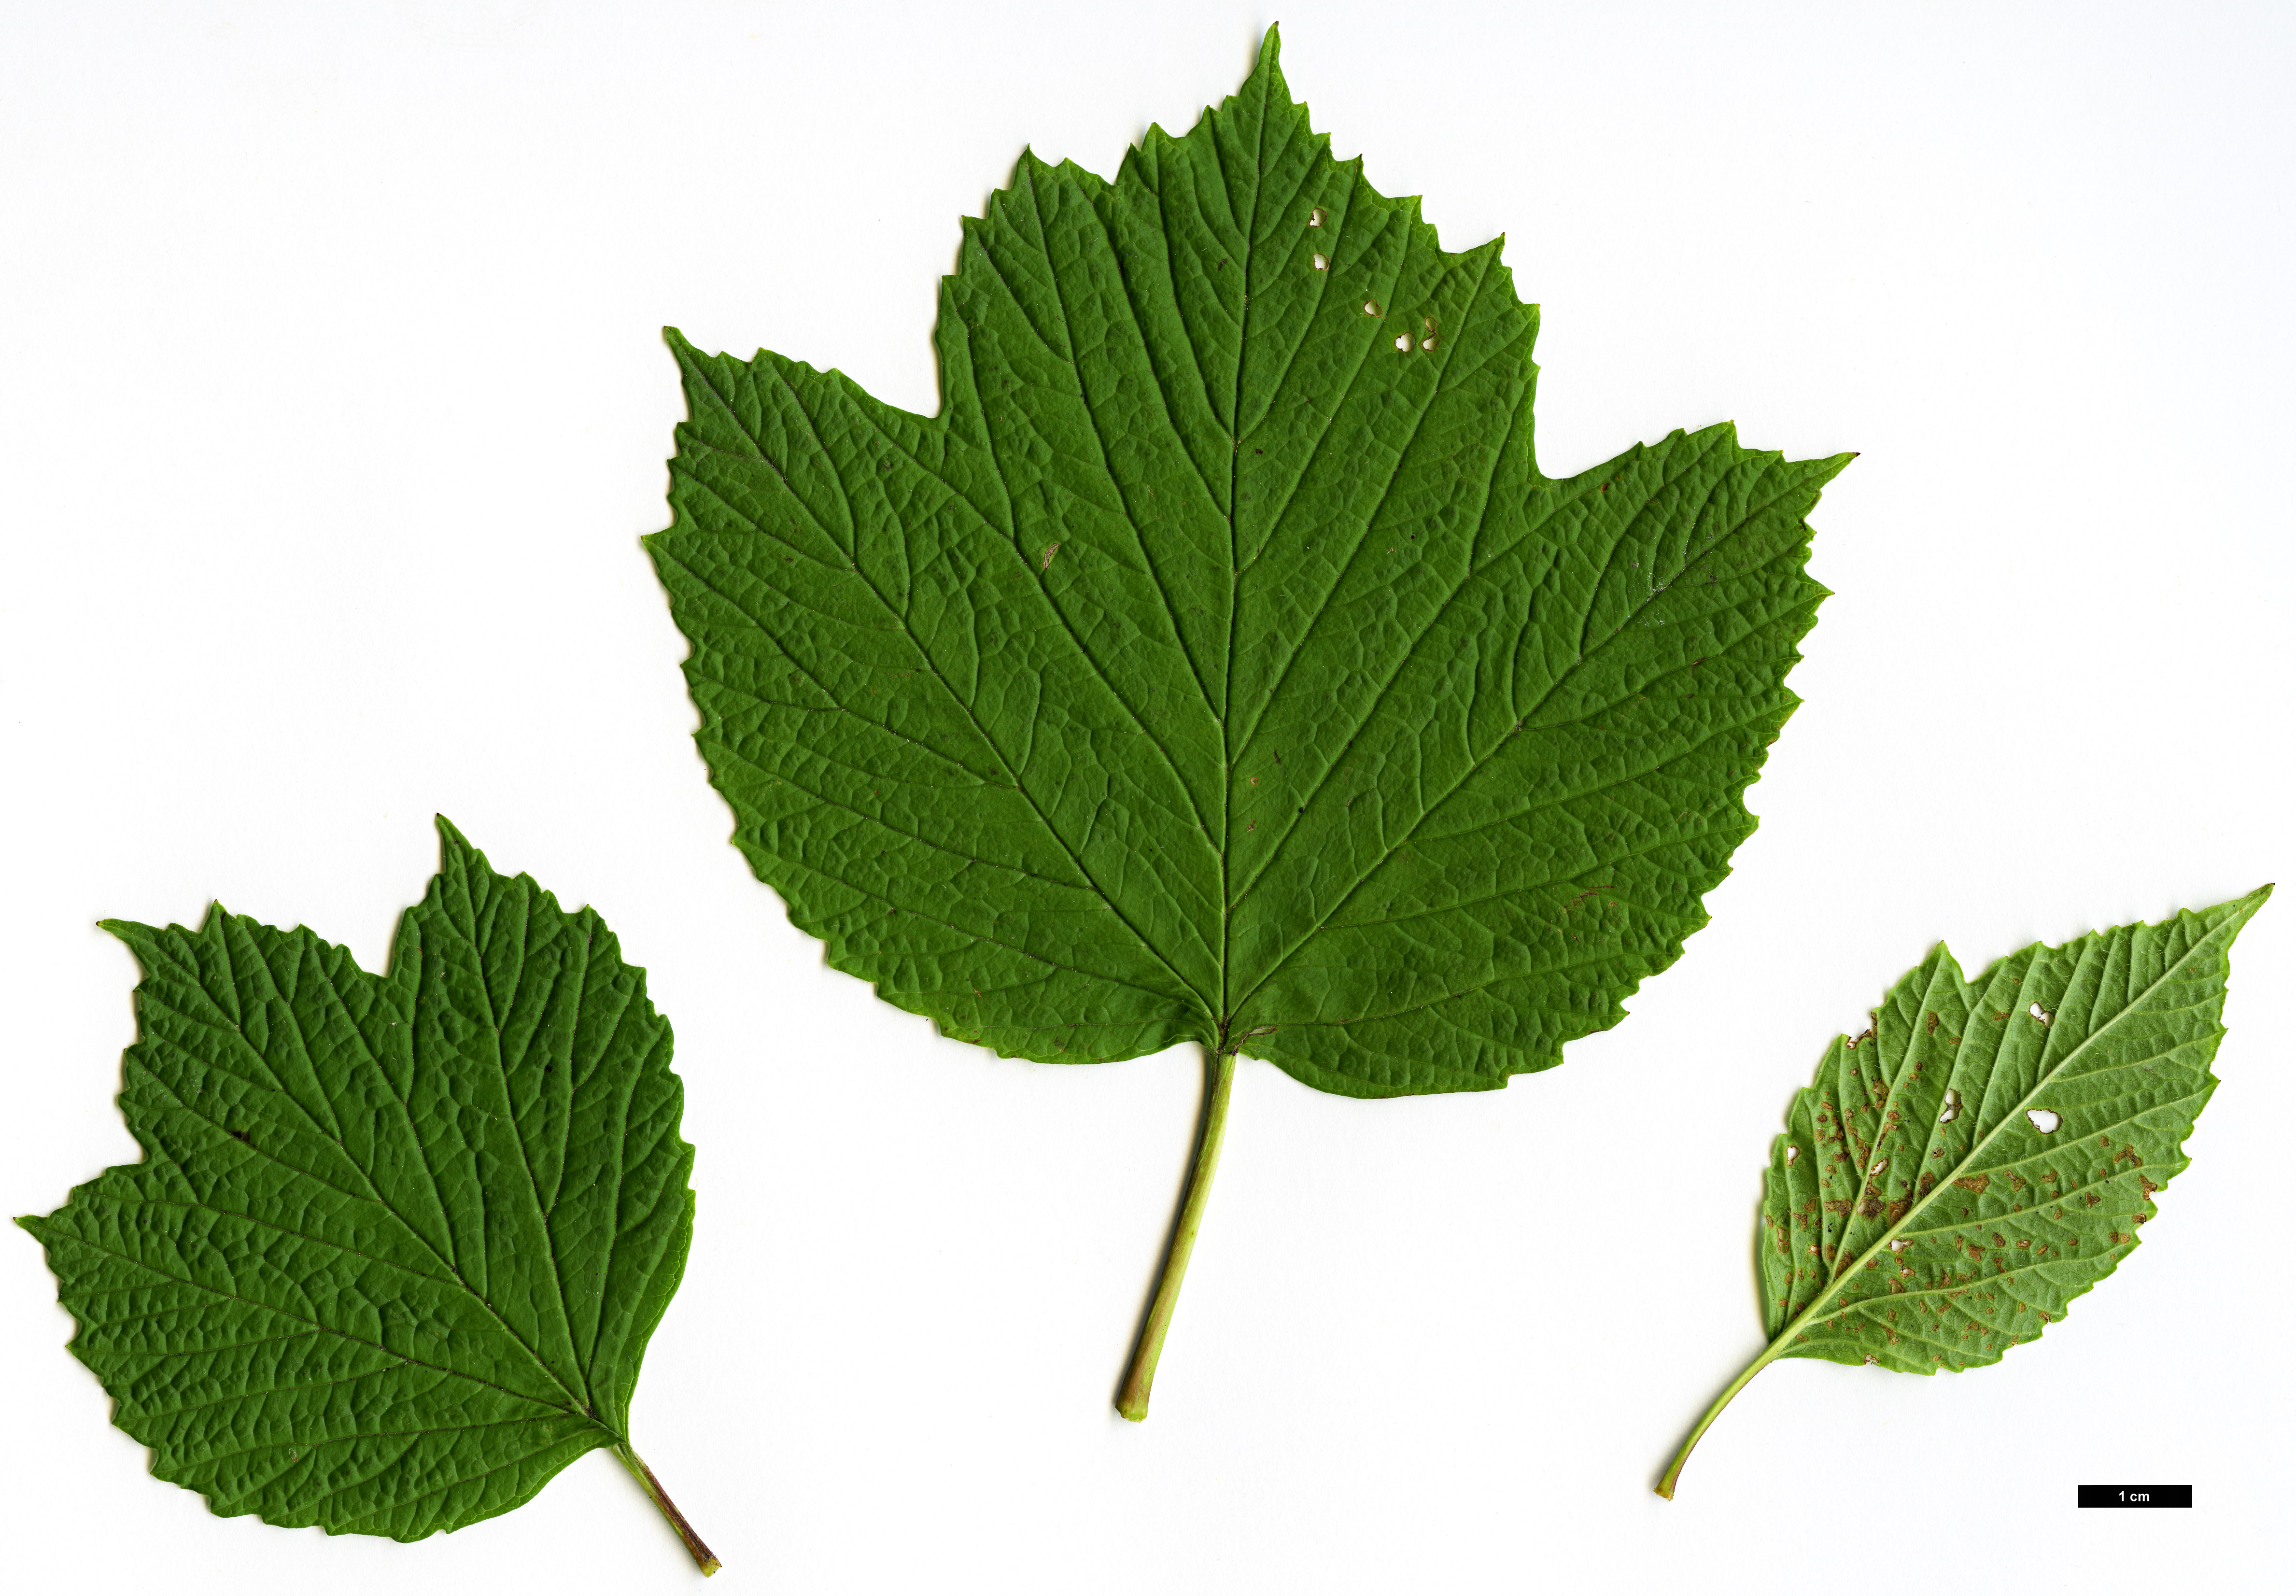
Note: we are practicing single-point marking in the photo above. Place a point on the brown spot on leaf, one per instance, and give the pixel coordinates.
(1976, 1183)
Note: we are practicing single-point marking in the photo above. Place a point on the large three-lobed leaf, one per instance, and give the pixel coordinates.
(398, 1242)
(1217, 665)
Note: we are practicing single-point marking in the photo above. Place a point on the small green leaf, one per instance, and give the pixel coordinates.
(396, 1244)
(1217, 665)
(1986, 1151)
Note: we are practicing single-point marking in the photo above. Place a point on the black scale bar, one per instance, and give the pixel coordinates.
(2136, 1496)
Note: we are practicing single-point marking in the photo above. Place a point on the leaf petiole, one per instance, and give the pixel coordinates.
(1219, 1074)
(704, 1558)
(1665, 1486)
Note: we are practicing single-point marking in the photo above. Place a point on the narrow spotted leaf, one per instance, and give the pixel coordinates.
(1987, 1150)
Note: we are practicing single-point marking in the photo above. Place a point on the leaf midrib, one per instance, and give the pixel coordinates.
(516, 1131)
(1222, 1016)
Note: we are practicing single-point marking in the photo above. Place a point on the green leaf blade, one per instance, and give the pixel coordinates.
(1940, 1223)
(396, 1244)
(1216, 665)
(1986, 1151)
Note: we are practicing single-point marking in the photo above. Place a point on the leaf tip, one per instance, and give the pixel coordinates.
(2243, 910)
(2236, 912)
(457, 851)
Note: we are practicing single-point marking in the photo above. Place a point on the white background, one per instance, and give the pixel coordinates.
(332, 405)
